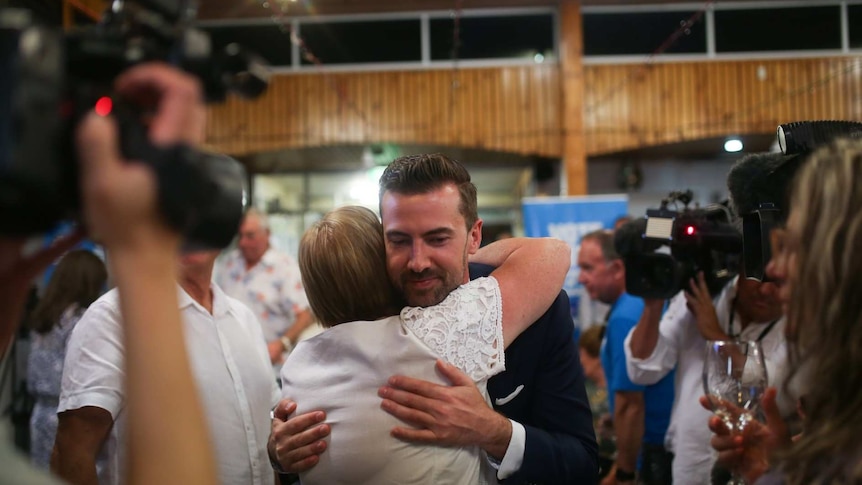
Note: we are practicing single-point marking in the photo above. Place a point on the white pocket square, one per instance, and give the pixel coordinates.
(504, 400)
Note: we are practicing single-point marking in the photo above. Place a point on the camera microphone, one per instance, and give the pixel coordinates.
(806, 136)
(756, 179)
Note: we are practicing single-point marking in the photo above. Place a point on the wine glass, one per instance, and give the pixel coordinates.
(734, 379)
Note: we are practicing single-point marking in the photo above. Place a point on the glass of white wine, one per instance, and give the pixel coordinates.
(734, 379)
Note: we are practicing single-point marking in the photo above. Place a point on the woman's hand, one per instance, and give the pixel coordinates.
(748, 453)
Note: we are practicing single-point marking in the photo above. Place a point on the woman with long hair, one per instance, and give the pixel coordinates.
(822, 267)
(818, 266)
(77, 281)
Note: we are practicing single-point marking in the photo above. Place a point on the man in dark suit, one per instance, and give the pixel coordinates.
(540, 429)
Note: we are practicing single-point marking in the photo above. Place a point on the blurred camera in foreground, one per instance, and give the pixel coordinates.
(51, 79)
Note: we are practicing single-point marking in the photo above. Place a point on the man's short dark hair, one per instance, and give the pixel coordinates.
(419, 174)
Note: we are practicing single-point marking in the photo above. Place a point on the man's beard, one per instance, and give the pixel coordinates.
(425, 297)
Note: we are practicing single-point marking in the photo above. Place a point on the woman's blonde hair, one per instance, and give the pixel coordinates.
(825, 315)
(343, 263)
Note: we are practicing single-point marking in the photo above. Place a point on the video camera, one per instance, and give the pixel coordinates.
(51, 79)
(759, 185)
(663, 251)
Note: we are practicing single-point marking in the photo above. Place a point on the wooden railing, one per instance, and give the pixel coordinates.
(518, 109)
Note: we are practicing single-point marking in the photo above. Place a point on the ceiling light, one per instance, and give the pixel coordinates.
(733, 145)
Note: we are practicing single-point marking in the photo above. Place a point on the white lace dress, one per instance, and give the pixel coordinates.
(340, 371)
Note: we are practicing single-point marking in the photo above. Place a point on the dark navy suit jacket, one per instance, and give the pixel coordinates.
(552, 406)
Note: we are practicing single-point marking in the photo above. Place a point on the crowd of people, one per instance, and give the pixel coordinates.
(442, 360)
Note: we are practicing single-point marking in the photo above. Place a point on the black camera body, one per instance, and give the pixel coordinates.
(759, 185)
(665, 250)
(52, 78)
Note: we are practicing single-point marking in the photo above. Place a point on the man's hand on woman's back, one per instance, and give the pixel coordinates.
(296, 442)
(455, 415)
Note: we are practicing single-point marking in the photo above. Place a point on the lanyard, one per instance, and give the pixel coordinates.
(763, 333)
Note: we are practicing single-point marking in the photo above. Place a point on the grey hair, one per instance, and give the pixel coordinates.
(605, 240)
(261, 217)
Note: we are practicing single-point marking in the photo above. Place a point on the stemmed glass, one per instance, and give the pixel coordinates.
(734, 379)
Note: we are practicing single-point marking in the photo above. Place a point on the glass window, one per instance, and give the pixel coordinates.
(778, 29)
(854, 19)
(516, 36)
(610, 34)
(364, 42)
(48, 13)
(267, 41)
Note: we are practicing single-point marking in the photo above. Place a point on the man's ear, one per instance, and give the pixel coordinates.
(474, 237)
(619, 268)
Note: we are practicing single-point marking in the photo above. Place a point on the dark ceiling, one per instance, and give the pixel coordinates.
(223, 9)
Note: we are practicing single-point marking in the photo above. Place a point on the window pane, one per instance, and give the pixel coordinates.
(364, 42)
(778, 29)
(641, 33)
(854, 14)
(517, 36)
(267, 41)
(45, 12)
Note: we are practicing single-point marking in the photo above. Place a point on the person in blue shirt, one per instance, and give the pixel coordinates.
(641, 414)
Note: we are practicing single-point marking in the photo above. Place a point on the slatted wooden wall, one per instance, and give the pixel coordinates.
(515, 109)
(628, 107)
(518, 109)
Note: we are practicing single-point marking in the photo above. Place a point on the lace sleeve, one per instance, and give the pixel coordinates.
(465, 329)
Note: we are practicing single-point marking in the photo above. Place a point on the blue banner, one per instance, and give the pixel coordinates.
(569, 218)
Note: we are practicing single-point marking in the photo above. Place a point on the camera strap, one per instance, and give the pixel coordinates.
(763, 333)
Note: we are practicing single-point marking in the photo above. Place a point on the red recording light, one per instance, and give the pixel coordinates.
(104, 106)
(689, 230)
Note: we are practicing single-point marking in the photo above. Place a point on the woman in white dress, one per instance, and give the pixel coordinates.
(370, 337)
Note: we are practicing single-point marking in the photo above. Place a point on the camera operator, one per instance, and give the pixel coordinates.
(744, 309)
(120, 209)
(640, 413)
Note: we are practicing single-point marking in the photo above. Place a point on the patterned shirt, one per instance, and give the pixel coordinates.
(44, 371)
(272, 289)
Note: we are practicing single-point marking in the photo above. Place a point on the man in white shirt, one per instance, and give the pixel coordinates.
(229, 363)
(268, 282)
(744, 309)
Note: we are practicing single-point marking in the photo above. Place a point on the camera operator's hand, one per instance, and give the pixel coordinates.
(699, 303)
(119, 198)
